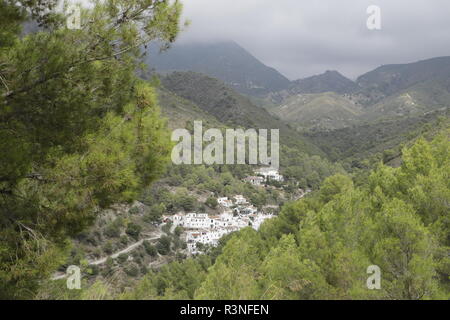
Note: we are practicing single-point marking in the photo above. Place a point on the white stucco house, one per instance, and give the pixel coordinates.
(205, 229)
(240, 199)
(270, 174)
(255, 180)
(225, 202)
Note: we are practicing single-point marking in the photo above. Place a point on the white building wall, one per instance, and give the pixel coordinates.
(209, 230)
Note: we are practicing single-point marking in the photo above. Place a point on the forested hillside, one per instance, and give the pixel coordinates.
(321, 247)
(330, 81)
(86, 177)
(388, 92)
(79, 130)
(102, 248)
(383, 138)
(391, 79)
(226, 61)
(232, 108)
(325, 111)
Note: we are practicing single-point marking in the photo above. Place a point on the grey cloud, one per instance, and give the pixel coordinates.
(301, 38)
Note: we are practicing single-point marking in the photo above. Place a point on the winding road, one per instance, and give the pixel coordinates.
(126, 250)
(60, 275)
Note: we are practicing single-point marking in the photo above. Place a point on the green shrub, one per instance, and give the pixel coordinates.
(123, 257)
(163, 245)
(112, 230)
(178, 231)
(134, 211)
(166, 228)
(132, 270)
(150, 249)
(212, 202)
(108, 247)
(133, 230)
(124, 240)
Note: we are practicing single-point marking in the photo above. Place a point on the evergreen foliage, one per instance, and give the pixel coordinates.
(78, 130)
(320, 247)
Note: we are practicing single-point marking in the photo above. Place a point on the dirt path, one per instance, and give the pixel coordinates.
(61, 275)
(123, 251)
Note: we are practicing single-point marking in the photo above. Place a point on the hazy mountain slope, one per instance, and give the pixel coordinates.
(226, 61)
(231, 108)
(420, 98)
(329, 81)
(389, 91)
(214, 97)
(181, 113)
(362, 141)
(391, 99)
(318, 111)
(392, 79)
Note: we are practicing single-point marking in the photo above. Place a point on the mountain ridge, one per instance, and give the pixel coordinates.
(329, 81)
(231, 108)
(226, 61)
(326, 101)
(390, 91)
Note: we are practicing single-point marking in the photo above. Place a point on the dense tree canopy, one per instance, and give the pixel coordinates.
(321, 247)
(78, 130)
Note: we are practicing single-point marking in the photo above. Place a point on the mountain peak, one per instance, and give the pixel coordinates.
(330, 80)
(225, 60)
(392, 79)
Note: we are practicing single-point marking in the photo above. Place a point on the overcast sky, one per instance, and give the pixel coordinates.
(305, 37)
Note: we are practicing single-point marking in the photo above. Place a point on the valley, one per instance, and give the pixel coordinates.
(113, 163)
(323, 102)
(329, 125)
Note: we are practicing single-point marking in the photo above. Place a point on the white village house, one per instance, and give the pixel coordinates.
(222, 226)
(254, 180)
(225, 202)
(270, 174)
(246, 210)
(205, 229)
(240, 199)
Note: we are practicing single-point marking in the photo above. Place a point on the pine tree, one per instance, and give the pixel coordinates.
(78, 130)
